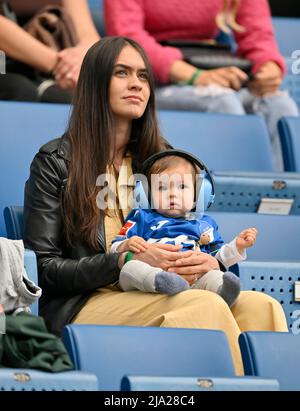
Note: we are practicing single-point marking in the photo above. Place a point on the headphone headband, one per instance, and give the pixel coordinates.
(180, 153)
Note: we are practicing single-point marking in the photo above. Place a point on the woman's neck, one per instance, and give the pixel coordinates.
(123, 131)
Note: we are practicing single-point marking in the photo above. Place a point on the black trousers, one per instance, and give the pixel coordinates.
(17, 87)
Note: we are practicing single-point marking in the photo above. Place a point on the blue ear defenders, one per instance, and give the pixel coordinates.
(206, 193)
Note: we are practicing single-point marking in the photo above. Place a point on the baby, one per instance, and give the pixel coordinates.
(171, 221)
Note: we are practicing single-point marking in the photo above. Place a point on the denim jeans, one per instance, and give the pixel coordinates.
(272, 108)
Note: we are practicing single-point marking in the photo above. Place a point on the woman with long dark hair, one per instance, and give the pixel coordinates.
(113, 129)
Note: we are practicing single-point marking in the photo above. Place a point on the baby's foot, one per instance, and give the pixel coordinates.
(170, 283)
(230, 288)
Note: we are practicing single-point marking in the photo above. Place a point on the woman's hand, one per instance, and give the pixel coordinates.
(68, 67)
(229, 77)
(162, 255)
(267, 80)
(194, 262)
(185, 263)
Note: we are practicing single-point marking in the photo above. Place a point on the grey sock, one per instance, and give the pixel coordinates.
(170, 283)
(136, 275)
(230, 288)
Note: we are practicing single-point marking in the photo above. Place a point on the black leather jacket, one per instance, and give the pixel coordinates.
(67, 275)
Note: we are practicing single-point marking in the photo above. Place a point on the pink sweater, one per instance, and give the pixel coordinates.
(150, 21)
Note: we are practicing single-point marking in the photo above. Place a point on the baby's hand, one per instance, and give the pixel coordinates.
(246, 239)
(135, 244)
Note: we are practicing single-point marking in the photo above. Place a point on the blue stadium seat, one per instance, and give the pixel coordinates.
(13, 217)
(291, 80)
(19, 379)
(95, 4)
(278, 279)
(278, 235)
(223, 142)
(24, 128)
(133, 383)
(273, 263)
(96, 8)
(289, 131)
(272, 355)
(287, 33)
(112, 352)
(244, 191)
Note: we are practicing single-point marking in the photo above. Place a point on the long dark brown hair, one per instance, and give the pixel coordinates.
(92, 134)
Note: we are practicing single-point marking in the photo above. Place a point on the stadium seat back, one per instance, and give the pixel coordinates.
(291, 80)
(280, 280)
(223, 142)
(245, 192)
(287, 33)
(111, 352)
(272, 355)
(289, 131)
(278, 235)
(25, 127)
(13, 217)
(97, 12)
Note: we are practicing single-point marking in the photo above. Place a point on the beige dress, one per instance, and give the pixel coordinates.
(253, 311)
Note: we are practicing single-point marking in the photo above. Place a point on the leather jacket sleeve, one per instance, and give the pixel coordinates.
(63, 270)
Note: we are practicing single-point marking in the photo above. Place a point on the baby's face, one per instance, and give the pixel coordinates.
(173, 190)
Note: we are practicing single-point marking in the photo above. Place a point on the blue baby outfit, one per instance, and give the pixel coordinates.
(154, 227)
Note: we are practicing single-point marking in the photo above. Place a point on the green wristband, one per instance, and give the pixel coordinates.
(194, 77)
(129, 256)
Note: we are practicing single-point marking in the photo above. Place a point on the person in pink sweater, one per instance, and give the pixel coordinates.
(218, 90)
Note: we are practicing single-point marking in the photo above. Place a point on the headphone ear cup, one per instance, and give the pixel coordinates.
(205, 195)
(208, 193)
(140, 199)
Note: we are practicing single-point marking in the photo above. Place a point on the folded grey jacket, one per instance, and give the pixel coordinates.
(17, 292)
